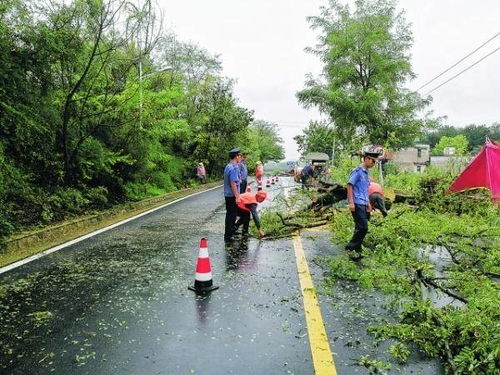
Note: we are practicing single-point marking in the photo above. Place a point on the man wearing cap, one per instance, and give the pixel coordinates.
(243, 173)
(248, 205)
(232, 192)
(359, 203)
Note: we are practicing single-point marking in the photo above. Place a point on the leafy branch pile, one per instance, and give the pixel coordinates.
(294, 212)
(444, 247)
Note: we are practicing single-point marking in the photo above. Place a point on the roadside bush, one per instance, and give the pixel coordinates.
(6, 228)
(64, 202)
(136, 191)
(97, 197)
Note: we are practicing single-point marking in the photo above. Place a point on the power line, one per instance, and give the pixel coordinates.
(463, 71)
(459, 61)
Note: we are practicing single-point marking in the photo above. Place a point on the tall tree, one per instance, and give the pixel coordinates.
(87, 45)
(224, 126)
(366, 64)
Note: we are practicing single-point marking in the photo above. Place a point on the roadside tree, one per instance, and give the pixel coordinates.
(317, 137)
(264, 142)
(458, 142)
(366, 64)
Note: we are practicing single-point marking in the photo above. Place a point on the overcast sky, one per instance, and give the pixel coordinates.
(261, 44)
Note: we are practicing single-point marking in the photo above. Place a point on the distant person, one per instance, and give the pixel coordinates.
(243, 173)
(231, 192)
(201, 174)
(307, 175)
(359, 203)
(376, 196)
(259, 173)
(248, 205)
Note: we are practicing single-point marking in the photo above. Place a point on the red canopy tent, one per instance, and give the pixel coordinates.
(482, 172)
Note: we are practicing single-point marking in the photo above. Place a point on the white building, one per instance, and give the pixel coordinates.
(415, 159)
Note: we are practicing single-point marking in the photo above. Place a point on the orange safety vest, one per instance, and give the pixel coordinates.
(375, 188)
(246, 198)
(259, 171)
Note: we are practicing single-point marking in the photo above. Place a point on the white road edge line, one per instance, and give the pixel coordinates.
(84, 237)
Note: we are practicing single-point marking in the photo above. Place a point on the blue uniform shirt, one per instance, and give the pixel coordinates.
(359, 180)
(307, 171)
(243, 171)
(231, 174)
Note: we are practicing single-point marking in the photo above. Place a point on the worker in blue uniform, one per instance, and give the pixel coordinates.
(232, 180)
(243, 173)
(359, 202)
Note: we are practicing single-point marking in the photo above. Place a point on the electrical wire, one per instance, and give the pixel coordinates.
(463, 71)
(459, 61)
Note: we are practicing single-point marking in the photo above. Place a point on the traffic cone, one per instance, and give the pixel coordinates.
(203, 277)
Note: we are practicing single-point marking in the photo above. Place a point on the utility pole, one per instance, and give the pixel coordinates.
(140, 93)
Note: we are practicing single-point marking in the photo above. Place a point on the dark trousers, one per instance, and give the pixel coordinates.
(243, 186)
(377, 201)
(231, 213)
(361, 218)
(305, 181)
(243, 220)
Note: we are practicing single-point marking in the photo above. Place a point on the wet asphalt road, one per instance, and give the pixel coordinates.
(118, 303)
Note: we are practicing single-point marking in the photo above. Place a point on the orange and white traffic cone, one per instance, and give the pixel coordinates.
(203, 277)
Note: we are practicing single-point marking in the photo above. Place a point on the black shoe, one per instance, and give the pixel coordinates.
(355, 256)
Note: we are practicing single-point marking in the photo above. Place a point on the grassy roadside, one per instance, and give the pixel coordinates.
(25, 244)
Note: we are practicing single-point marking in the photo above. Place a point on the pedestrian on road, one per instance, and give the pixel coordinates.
(259, 174)
(359, 203)
(248, 205)
(232, 192)
(307, 175)
(201, 174)
(243, 173)
(376, 196)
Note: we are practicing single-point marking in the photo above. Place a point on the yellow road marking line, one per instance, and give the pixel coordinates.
(320, 347)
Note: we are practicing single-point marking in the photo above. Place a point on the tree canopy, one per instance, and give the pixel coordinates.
(366, 65)
(317, 137)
